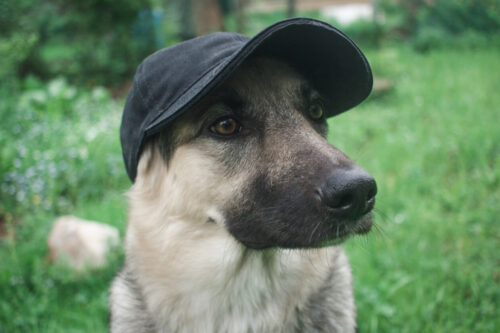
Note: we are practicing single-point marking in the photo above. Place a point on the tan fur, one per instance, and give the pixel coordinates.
(193, 272)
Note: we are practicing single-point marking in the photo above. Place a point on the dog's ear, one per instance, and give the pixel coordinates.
(146, 160)
(151, 167)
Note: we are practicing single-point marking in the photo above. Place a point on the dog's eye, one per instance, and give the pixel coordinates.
(316, 111)
(225, 126)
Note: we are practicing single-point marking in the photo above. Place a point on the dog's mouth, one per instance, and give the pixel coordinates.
(345, 229)
(324, 234)
(364, 225)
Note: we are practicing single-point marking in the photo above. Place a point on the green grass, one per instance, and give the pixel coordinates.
(432, 264)
(433, 145)
(36, 296)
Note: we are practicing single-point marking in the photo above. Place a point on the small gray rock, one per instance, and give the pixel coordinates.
(81, 243)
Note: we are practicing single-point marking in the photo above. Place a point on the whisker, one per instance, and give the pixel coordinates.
(313, 231)
(379, 228)
(382, 215)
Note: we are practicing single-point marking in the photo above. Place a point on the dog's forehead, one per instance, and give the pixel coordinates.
(263, 89)
(266, 90)
(266, 77)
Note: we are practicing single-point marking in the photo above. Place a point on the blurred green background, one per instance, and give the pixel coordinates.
(429, 133)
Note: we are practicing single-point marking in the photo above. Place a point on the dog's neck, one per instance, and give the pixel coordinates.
(205, 270)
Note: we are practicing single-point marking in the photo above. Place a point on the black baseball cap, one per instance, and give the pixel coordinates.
(172, 80)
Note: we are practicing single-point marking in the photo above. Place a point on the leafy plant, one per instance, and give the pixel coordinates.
(453, 23)
(90, 42)
(57, 142)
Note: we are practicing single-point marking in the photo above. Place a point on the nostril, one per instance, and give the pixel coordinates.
(344, 201)
(370, 195)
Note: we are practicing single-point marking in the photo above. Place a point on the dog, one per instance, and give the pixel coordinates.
(238, 212)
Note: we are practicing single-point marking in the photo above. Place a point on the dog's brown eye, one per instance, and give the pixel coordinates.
(225, 126)
(316, 111)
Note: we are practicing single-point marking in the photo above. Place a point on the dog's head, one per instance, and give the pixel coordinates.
(252, 158)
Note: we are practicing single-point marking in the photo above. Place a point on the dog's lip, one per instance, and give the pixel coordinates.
(365, 224)
(348, 228)
(359, 227)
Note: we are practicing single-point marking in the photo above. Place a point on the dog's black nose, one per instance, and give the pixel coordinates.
(349, 193)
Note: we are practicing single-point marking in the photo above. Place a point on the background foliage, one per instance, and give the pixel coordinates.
(439, 24)
(56, 140)
(90, 42)
(432, 142)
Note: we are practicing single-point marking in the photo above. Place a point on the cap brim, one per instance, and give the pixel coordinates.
(323, 54)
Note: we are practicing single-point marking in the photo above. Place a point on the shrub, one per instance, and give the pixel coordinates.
(92, 42)
(366, 33)
(454, 23)
(56, 144)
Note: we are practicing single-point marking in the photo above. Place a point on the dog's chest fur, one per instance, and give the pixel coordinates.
(266, 291)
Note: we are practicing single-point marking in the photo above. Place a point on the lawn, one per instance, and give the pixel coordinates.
(431, 264)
